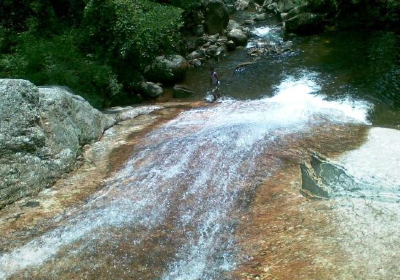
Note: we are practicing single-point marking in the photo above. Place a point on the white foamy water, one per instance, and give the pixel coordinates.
(261, 31)
(265, 35)
(190, 172)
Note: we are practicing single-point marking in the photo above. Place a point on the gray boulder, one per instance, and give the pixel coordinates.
(238, 37)
(41, 133)
(194, 55)
(151, 89)
(232, 25)
(167, 69)
(241, 5)
(216, 16)
(182, 91)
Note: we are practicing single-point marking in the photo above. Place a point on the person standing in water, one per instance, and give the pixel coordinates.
(214, 82)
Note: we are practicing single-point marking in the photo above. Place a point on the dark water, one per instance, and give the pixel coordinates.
(361, 65)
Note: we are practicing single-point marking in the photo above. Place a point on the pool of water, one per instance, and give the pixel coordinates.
(361, 65)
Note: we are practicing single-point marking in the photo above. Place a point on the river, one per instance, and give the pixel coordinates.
(173, 210)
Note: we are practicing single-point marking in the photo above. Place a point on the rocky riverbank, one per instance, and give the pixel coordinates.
(43, 132)
(34, 211)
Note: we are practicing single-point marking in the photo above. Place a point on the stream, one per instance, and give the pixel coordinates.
(172, 210)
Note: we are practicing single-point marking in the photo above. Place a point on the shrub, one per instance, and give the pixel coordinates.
(57, 61)
(132, 31)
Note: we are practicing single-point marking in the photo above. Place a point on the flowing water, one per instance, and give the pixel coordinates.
(172, 210)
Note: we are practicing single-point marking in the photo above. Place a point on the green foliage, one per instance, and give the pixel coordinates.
(133, 31)
(98, 48)
(57, 61)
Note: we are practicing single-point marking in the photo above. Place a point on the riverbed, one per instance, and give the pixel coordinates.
(213, 191)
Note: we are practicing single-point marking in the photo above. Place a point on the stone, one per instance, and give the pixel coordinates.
(194, 55)
(284, 16)
(212, 50)
(260, 17)
(181, 91)
(238, 37)
(296, 11)
(220, 52)
(222, 40)
(231, 45)
(150, 89)
(244, 65)
(246, 31)
(167, 69)
(196, 63)
(306, 23)
(213, 38)
(241, 5)
(42, 131)
(311, 184)
(249, 22)
(272, 7)
(232, 25)
(201, 40)
(216, 16)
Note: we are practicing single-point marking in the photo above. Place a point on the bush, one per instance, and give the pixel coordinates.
(57, 61)
(98, 48)
(132, 31)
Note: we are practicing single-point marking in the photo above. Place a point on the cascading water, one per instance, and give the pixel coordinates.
(173, 204)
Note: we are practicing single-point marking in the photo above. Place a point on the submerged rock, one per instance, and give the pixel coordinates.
(311, 185)
(41, 133)
(182, 91)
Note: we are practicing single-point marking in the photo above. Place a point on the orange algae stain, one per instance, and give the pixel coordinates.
(20, 224)
(285, 235)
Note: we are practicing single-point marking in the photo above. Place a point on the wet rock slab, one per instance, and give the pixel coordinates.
(352, 233)
(28, 218)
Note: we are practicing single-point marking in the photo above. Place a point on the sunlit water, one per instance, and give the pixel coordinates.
(365, 65)
(173, 204)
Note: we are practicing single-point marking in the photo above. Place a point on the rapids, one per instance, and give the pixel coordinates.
(170, 212)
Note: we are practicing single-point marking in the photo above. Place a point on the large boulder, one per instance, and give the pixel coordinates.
(232, 24)
(216, 16)
(241, 5)
(42, 131)
(238, 37)
(151, 90)
(306, 23)
(167, 69)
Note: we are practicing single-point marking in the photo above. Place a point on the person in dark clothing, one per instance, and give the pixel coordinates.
(214, 82)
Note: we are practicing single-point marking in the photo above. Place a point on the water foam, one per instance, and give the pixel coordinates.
(200, 160)
(261, 31)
